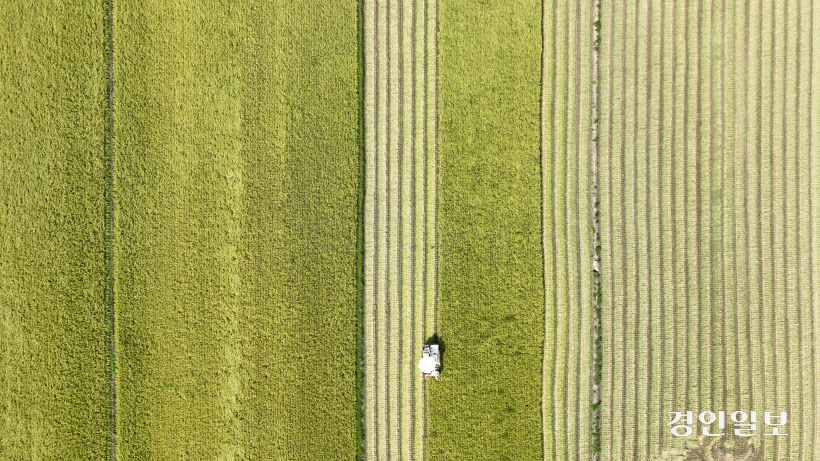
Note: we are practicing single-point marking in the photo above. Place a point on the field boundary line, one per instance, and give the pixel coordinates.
(548, 274)
(597, 355)
(814, 102)
(110, 216)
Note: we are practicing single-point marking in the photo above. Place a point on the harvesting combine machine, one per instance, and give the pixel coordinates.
(430, 360)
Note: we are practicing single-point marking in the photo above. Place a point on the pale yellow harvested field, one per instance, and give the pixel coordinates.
(400, 256)
(709, 224)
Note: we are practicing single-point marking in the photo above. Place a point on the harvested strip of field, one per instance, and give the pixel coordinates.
(237, 169)
(399, 215)
(566, 116)
(490, 316)
(55, 379)
(709, 191)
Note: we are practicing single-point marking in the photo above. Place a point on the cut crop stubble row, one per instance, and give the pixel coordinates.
(399, 254)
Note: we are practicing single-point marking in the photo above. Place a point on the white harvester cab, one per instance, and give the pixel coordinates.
(430, 360)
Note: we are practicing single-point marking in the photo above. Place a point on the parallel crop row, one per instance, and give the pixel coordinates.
(566, 203)
(400, 257)
(709, 222)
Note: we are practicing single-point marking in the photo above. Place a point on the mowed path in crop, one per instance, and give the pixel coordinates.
(237, 174)
(55, 381)
(399, 215)
(710, 220)
(566, 118)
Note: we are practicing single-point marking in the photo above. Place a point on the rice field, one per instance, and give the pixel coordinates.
(55, 381)
(566, 171)
(227, 229)
(236, 192)
(487, 404)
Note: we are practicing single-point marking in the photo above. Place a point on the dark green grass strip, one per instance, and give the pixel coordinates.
(360, 238)
(110, 263)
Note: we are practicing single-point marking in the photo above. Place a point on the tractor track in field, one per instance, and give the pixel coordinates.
(110, 263)
(399, 251)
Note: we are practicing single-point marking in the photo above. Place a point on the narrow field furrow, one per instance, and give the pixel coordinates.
(382, 336)
(400, 282)
(582, 229)
(652, 181)
(739, 211)
(813, 147)
(803, 240)
(727, 177)
(630, 237)
(431, 26)
(571, 228)
(705, 249)
(792, 292)
(369, 337)
(642, 175)
(547, 108)
(394, 243)
(407, 174)
(419, 212)
(605, 124)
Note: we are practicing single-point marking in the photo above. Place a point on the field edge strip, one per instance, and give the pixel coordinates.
(110, 233)
(597, 353)
(544, 356)
(360, 206)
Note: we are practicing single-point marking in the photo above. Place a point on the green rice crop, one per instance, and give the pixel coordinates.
(490, 315)
(237, 163)
(55, 382)
(234, 244)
